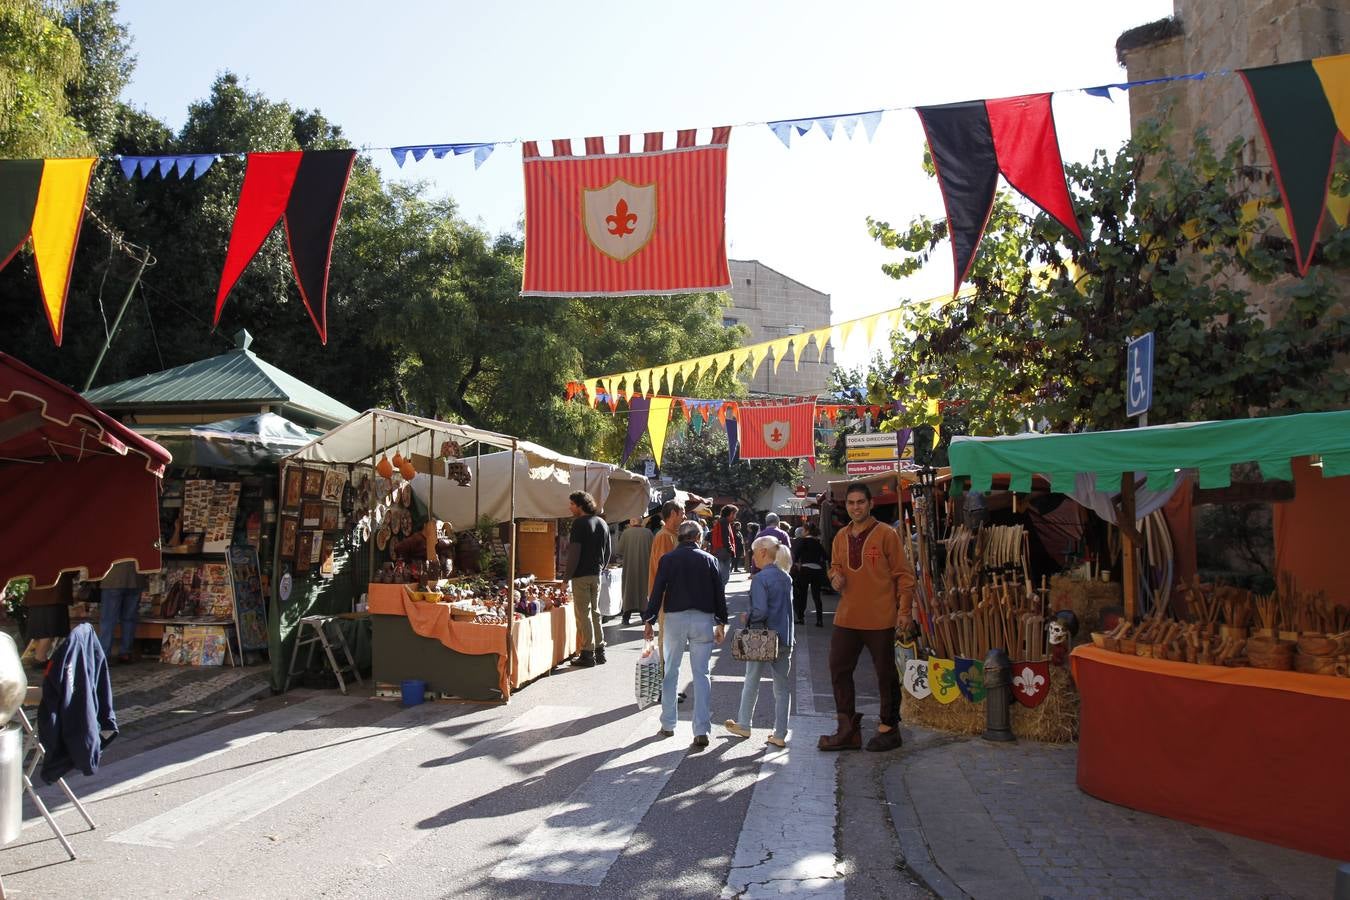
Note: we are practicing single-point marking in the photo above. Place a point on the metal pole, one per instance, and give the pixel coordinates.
(370, 504)
(478, 478)
(511, 579)
(126, 301)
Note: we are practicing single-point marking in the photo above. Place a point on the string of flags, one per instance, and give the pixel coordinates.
(652, 221)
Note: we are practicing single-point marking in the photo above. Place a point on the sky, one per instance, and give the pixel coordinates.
(413, 72)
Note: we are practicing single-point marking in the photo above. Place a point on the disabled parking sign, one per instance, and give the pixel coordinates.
(1139, 375)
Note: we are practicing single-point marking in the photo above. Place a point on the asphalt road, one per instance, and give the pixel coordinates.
(564, 792)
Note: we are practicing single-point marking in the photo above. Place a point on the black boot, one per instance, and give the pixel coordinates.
(600, 655)
(627, 617)
(585, 659)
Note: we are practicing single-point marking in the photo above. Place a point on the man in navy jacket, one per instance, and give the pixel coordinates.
(689, 585)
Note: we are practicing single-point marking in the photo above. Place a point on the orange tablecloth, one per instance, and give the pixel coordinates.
(540, 642)
(1248, 751)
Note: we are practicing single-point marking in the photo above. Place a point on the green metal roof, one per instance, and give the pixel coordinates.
(235, 377)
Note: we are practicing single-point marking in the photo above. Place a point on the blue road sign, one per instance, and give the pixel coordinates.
(1139, 375)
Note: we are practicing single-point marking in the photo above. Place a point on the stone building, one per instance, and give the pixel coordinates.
(773, 306)
(1210, 35)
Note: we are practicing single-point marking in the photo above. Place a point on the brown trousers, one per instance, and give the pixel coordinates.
(846, 646)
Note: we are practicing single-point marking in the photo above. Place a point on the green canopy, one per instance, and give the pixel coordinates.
(1160, 451)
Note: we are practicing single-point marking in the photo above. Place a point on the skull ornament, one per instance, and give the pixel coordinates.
(1056, 633)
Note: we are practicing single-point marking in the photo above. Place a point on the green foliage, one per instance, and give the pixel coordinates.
(1043, 337)
(40, 61)
(698, 463)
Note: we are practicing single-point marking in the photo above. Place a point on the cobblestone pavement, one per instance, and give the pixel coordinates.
(150, 696)
(985, 820)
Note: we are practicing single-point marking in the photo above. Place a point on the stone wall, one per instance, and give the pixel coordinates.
(773, 306)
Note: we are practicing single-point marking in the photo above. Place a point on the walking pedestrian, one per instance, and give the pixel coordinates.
(876, 584)
(724, 545)
(688, 589)
(751, 532)
(49, 616)
(635, 549)
(665, 539)
(120, 604)
(738, 561)
(808, 573)
(587, 555)
(770, 529)
(770, 606)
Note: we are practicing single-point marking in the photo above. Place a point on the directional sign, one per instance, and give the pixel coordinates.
(872, 439)
(1139, 375)
(854, 453)
(869, 468)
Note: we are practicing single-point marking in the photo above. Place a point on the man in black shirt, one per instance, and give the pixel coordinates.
(587, 556)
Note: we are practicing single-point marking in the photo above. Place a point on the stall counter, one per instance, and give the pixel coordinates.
(540, 642)
(1247, 751)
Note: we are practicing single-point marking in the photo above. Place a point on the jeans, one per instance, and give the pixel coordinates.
(750, 691)
(724, 566)
(693, 629)
(586, 608)
(119, 605)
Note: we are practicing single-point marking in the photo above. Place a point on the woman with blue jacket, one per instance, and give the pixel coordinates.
(770, 606)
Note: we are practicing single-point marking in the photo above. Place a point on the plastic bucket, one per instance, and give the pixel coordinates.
(414, 692)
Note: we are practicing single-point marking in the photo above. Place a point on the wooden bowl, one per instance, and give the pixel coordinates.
(1099, 639)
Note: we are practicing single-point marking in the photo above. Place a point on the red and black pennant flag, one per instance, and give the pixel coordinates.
(305, 189)
(972, 142)
(1303, 109)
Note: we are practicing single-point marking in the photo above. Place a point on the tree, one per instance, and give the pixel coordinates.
(40, 60)
(699, 464)
(1043, 337)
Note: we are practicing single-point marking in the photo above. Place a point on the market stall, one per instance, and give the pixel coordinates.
(433, 540)
(1216, 709)
(61, 462)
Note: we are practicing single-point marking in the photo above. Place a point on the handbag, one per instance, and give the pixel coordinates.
(755, 644)
(648, 676)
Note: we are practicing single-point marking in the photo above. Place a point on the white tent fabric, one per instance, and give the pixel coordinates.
(383, 430)
(544, 480)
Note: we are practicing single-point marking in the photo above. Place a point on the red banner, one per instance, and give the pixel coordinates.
(777, 430)
(626, 223)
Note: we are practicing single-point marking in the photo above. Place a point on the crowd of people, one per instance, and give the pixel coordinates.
(676, 571)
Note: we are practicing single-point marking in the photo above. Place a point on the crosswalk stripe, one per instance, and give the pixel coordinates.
(786, 844)
(124, 776)
(579, 842)
(198, 820)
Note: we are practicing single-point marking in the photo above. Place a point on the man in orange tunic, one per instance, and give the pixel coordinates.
(869, 569)
(672, 514)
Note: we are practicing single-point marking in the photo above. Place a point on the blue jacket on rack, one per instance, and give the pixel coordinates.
(76, 719)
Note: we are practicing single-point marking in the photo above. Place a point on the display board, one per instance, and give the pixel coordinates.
(249, 603)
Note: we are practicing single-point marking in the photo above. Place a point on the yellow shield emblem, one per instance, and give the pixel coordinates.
(942, 679)
(619, 218)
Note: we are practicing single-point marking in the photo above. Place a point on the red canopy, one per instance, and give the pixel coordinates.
(80, 489)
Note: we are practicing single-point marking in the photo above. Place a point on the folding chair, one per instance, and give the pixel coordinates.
(34, 746)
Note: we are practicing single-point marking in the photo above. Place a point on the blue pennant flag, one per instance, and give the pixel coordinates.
(783, 128)
(480, 151)
(1104, 90)
(194, 164)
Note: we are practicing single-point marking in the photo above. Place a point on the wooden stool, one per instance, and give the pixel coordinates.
(318, 626)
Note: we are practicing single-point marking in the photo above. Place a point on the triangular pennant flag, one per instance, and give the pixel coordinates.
(611, 397)
(400, 155)
(592, 386)
(128, 165)
(779, 348)
(1334, 73)
(146, 165)
(480, 154)
(784, 132)
(658, 418)
(1301, 134)
(827, 126)
(638, 410)
(20, 180)
(972, 142)
(57, 217)
(870, 122)
(305, 188)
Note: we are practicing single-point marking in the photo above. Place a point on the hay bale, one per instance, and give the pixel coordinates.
(1086, 598)
(1054, 721)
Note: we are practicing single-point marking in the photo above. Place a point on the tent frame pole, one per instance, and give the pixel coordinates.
(511, 581)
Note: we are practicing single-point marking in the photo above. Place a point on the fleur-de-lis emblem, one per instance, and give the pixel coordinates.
(622, 222)
(776, 436)
(1029, 682)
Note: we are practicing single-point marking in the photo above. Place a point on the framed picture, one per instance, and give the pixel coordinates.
(333, 482)
(313, 483)
(311, 513)
(332, 516)
(326, 557)
(315, 547)
(290, 528)
(290, 497)
(303, 551)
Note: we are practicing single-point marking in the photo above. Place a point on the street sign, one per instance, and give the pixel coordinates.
(1139, 375)
(873, 439)
(869, 468)
(859, 453)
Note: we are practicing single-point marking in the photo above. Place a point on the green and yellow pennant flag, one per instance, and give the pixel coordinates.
(1303, 109)
(44, 199)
